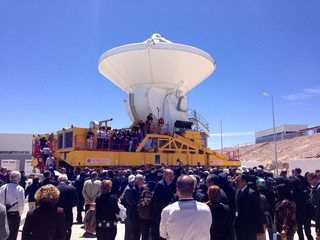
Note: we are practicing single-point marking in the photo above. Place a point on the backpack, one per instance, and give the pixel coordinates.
(145, 205)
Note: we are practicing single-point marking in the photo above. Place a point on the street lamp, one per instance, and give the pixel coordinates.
(274, 133)
(221, 139)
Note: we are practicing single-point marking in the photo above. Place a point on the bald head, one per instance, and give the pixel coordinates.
(185, 186)
(168, 175)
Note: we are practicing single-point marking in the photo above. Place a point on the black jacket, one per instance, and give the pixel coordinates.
(162, 197)
(78, 184)
(107, 207)
(131, 195)
(68, 197)
(302, 208)
(222, 223)
(30, 191)
(47, 181)
(249, 217)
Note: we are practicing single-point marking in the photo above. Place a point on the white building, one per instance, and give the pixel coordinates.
(15, 150)
(282, 132)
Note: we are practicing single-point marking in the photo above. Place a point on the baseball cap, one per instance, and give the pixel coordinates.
(261, 183)
(131, 178)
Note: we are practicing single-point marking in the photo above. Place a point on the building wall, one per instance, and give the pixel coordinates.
(16, 147)
(282, 132)
(306, 165)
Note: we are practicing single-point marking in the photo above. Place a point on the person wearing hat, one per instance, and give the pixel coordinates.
(261, 185)
(130, 197)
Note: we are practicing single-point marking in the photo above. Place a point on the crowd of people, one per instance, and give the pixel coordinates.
(179, 202)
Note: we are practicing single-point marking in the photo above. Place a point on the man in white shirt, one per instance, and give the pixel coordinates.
(50, 161)
(187, 218)
(45, 153)
(12, 196)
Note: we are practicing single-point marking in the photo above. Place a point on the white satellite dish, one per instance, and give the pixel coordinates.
(156, 74)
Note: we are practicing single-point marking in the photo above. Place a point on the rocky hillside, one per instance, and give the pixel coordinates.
(295, 148)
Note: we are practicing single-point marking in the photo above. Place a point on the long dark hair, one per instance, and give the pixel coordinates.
(284, 193)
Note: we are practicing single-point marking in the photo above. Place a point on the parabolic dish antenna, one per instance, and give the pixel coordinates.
(156, 74)
(158, 63)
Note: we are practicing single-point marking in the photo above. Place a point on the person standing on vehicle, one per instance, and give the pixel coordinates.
(90, 136)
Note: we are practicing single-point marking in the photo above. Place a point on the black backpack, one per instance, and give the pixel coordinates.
(145, 205)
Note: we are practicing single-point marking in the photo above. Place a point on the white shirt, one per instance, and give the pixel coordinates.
(46, 151)
(186, 219)
(50, 160)
(15, 193)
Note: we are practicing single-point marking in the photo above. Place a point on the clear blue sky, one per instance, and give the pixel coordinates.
(49, 52)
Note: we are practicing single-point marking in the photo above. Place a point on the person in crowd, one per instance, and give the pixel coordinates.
(225, 186)
(286, 223)
(12, 196)
(90, 136)
(47, 221)
(63, 171)
(303, 215)
(131, 197)
(222, 223)
(284, 172)
(145, 207)
(106, 210)
(198, 195)
(91, 189)
(78, 184)
(249, 217)
(304, 181)
(213, 179)
(314, 197)
(3, 176)
(30, 192)
(47, 179)
(261, 185)
(4, 227)
(187, 218)
(162, 197)
(67, 200)
(23, 181)
(115, 183)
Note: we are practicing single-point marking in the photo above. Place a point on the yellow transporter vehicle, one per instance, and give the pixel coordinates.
(71, 148)
(156, 74)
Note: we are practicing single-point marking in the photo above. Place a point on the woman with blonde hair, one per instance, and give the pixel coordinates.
(47, 220)
(106, 210)
(222, 225)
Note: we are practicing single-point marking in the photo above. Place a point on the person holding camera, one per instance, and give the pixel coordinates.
(12, 196)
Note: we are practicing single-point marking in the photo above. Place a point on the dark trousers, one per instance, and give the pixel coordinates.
(132, 229)
(246, 236)
(100, 143)
(155, 231)
(307, 229)
(145, 228)
(14, 223)
(106, 233)
(80, 209)
(69, 221)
